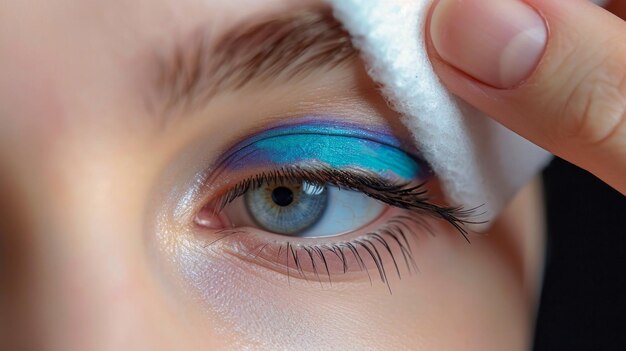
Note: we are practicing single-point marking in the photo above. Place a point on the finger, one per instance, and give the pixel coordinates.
(554, 71)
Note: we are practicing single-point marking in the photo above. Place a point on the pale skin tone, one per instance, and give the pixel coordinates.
(92, 259)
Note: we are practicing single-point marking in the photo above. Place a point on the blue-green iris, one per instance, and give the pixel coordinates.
(287, 208)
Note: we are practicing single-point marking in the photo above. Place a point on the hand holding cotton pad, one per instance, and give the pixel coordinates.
(479, 162)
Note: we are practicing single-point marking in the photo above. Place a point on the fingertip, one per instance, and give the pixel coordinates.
(498, 42)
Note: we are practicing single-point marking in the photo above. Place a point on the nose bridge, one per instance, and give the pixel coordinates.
(82, 269)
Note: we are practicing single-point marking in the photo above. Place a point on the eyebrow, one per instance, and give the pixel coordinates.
(278, 48)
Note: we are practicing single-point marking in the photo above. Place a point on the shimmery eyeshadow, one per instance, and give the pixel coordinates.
(336, 144)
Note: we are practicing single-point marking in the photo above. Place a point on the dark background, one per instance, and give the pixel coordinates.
(583, 303)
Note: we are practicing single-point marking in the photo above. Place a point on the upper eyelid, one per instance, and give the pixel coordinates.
(324, 127)
(407, 166)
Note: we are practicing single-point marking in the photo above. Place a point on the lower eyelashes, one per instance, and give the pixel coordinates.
(379, 252)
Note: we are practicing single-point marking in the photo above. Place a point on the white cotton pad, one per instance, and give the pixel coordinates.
(479, 162)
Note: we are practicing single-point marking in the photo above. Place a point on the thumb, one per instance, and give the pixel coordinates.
(554, 71)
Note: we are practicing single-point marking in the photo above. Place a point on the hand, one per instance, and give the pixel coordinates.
(554, 71)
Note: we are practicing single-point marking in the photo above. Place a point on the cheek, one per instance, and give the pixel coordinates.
(263, 309)
(467, 290)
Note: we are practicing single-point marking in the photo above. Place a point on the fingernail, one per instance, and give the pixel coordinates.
(498, 42)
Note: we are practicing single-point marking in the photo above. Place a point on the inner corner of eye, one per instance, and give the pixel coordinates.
(209, 218)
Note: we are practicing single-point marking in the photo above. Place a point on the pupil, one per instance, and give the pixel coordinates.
(282, 196)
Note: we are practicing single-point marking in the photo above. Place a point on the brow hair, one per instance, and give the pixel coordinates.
(277, 48)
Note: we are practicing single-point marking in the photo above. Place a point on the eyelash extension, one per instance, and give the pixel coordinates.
(401, 195)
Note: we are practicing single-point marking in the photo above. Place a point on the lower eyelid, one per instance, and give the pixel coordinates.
(386, 247)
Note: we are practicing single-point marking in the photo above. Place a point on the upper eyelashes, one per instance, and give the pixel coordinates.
(408, 195)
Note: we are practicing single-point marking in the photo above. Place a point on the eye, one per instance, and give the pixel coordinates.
(305, 209)
(321, 194)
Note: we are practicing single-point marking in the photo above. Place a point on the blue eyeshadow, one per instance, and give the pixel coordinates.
(335, 144)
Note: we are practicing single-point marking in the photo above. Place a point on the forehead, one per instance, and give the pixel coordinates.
(67, 61)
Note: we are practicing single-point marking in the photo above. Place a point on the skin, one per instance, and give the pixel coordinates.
(94, 256)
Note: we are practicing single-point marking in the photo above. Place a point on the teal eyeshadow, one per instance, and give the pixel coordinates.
(338, 145)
